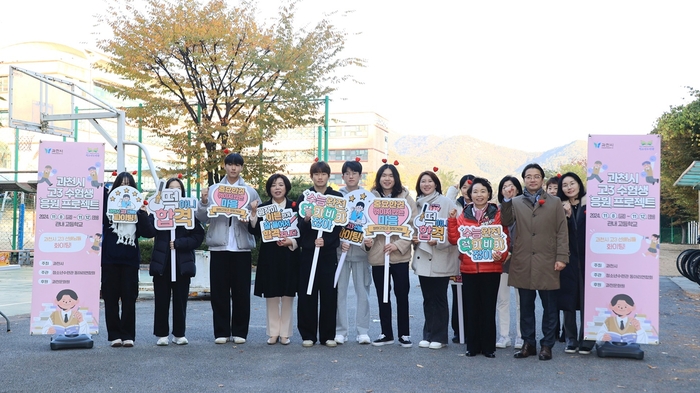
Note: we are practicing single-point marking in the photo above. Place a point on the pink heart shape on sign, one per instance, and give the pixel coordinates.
(230, 196)
(389, 211)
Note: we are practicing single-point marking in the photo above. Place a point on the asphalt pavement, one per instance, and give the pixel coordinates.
(27, 364)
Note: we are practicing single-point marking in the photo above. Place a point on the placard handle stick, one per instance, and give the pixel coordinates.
(339, 268)
(387, 240)
(173, 256)
(313, 265)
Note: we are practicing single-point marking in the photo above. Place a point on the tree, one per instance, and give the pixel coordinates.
(217, 72)
(680, 146)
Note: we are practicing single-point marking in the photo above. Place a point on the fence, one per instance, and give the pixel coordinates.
(17, 212)
(686, 234)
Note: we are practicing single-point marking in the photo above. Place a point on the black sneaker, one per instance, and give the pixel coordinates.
(382, 340)
(570, 349)
(405, 341)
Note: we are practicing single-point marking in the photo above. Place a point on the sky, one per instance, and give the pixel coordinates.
(531, 75)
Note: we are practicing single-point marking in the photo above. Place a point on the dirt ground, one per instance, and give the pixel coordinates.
(667, 258)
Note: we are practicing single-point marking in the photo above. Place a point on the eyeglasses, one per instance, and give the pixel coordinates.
(531, 177)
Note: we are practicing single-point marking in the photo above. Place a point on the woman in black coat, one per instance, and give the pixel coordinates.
(186, 241)
(277, 274)
(570, 297)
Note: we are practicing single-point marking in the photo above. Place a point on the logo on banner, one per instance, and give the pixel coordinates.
(389, 216)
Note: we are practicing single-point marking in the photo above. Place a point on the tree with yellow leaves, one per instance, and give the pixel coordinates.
(212, 78)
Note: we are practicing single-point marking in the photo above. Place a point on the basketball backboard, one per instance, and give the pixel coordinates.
(31, 97)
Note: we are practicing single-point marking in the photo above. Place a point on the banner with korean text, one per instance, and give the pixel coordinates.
(66, 280)
(622, 239)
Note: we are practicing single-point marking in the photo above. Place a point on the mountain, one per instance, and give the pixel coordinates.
(465, 154)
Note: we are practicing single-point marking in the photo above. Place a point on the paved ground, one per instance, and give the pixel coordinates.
(27, 363)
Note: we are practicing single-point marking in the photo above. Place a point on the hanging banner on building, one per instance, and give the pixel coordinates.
(66, 280)
(622, 253)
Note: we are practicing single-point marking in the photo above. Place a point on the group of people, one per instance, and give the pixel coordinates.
(545, 256)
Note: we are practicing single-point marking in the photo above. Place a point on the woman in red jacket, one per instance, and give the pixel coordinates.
(480, 279)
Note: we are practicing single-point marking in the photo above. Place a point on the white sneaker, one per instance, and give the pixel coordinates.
(424, 344)
(180, 340)
(331, 343)
(116, 343)
(238, 340)
(503, 342)
(340, 339)
(518, 343)
(162, 341)
(436, 345)
(364, 339)
(221, 340)
(128, 343)
(307, 343)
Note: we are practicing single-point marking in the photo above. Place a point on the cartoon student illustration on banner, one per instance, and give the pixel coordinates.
(623, 326)
(598, 167)
(654, 242)
(44, 176)
(67, 318)
(648, 172)
(92, 176)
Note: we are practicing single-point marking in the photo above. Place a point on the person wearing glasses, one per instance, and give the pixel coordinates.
(540, 253)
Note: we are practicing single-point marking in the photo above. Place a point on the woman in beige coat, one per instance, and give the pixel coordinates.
(387, 184)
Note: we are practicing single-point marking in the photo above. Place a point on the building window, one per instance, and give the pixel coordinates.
(345, 155)
(4, 84)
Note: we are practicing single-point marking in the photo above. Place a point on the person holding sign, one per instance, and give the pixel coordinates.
(356, 264)
(184, 244)
(540, 253)
(571, 294)
(387, 184)
(120, 265)
(483, 246)
(277, 274)
(230, 265)
(311, 320)
(434, 258)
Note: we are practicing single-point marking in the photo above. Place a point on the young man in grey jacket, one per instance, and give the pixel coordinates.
(229, 245)
(356, 264)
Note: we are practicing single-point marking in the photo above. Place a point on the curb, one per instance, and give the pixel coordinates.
(689, 287)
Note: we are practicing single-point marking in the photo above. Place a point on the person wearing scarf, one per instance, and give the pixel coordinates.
(121, 258)
(434, 262)
(540, 253)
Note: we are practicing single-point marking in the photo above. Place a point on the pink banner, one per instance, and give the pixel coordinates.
(622, 253)
(66, 281)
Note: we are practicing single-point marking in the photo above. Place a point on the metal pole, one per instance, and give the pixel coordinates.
(121, 132)
(320, 143)
(14, 197)
(199, 126)
(325, 126)
(75, 127)
(138, 181)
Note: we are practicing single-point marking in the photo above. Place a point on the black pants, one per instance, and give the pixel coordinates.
(527, 316)
(480, 293)
(311, 319)
(435, 308)
(162, 289)
(230, 281)
(120, 283)
(398, 272)
(570, 330)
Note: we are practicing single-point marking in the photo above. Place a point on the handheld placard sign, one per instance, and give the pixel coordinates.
(229, 201)
(123, 204)
(480, 242)
(388, 216)
(170, 210)
(327, 212)
(277, 223)
(358, 201)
